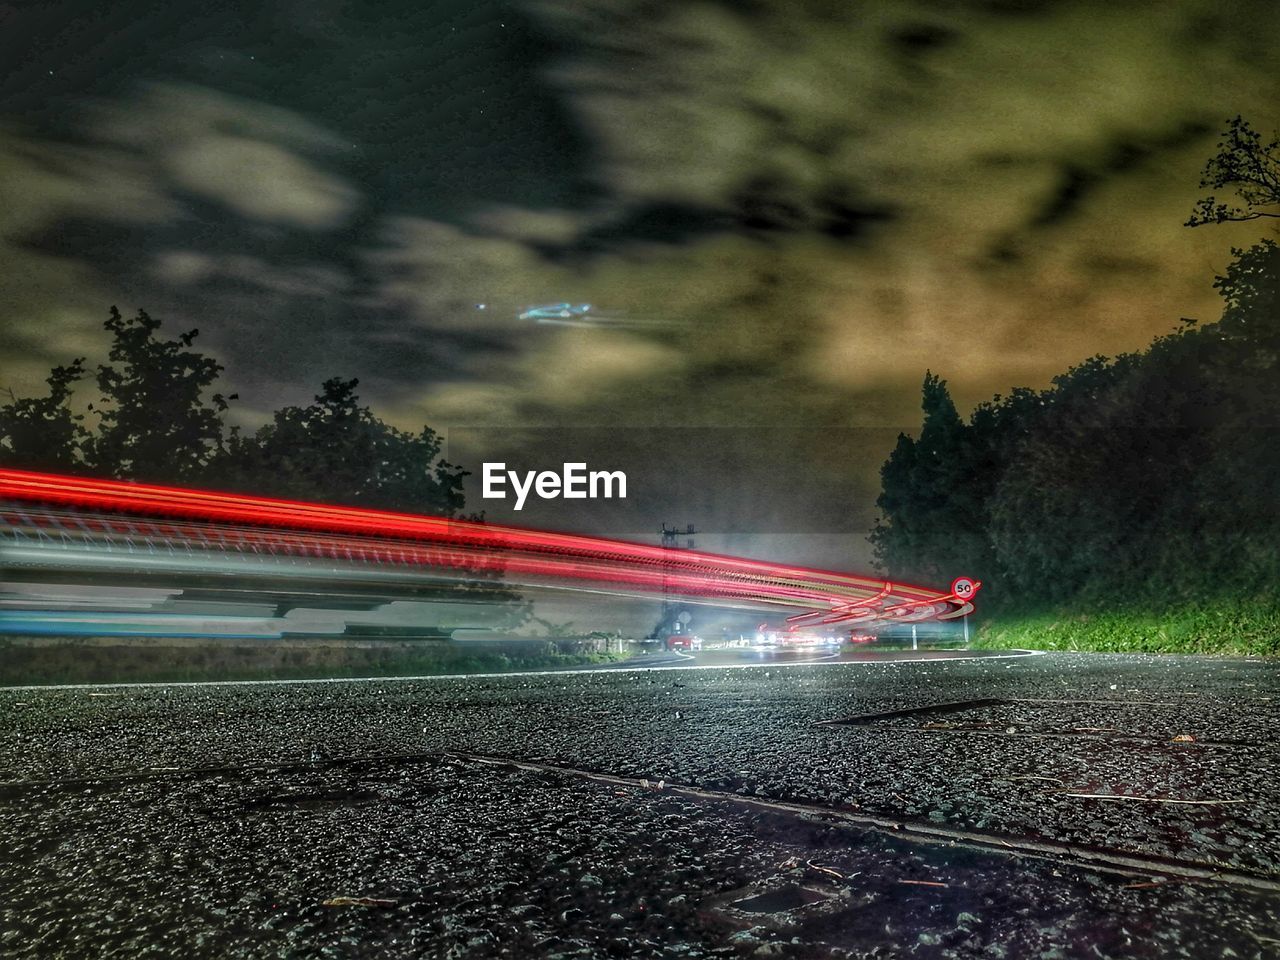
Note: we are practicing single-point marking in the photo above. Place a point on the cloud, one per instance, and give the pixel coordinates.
(260, 180)
(250, 157)
(188, 268)
(53, 304)
(690, 102)
(1029, 159)
(568, 370)
(818, 201)
(197, 205)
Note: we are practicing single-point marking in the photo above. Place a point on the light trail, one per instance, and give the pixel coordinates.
(112, 516)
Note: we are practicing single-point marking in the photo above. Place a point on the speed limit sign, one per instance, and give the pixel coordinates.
(964, 588)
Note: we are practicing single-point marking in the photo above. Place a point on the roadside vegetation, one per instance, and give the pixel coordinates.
(150, 661)
(1135, 503)
(1247, 627)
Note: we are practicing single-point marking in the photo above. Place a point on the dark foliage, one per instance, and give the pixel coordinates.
(928, 494)
(337, 451)
(1153, 476)
(158, 419)
(154, 420)
(44, 433)
(1246, 165)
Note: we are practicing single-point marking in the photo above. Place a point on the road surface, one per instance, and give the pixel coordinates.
(1047, 806)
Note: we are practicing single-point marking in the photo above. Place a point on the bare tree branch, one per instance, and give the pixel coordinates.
(1247, 166)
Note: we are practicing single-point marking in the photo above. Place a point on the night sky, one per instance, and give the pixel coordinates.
(789, 210)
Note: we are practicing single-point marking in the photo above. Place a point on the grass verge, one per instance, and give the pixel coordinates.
(1237, 626)
(155, 662)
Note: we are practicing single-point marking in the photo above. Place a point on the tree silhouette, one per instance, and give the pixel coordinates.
(1251, 288)
(155, 422)
(931, 524)
(43, 433)
(1249, 166)
(336, 450)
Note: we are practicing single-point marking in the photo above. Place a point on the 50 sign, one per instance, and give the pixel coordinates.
(963, 588)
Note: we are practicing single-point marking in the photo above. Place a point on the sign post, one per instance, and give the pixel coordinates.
(963, 589)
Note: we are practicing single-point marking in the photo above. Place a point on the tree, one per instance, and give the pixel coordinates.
(335, 450)
(1149, 478)
(1074, 497)
(1251, 289)
(42, 433)
(1244, 479)
(895, 539)
(931, 526)
(155, 423)
(1251, 286)
(1247, 165)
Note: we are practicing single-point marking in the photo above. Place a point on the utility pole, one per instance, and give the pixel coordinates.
(671, 537)
(673, 622)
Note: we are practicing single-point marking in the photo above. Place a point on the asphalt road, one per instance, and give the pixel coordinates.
(1049, 806)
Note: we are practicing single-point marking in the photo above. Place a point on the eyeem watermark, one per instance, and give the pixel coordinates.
(573, 483)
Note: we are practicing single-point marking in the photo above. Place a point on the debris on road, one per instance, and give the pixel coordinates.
(358, 902)
(823, 869)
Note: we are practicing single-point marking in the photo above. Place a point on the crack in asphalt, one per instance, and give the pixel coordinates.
(963, 706)
(1145, 740)
(1110, 860)
(959, 706)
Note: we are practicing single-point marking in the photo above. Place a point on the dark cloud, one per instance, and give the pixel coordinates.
(653, 223)
(442, 107)
(1020, 8)
(764, 208)
(1121, 156)
(917, 39)
(769, 204)
(811, 201)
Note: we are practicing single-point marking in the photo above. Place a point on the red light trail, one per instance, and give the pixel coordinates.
(523, 556)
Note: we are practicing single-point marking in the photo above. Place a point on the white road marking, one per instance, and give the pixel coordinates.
(1011, 655)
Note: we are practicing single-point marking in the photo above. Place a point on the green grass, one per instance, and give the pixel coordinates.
(79, 662)
(1235, 626)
